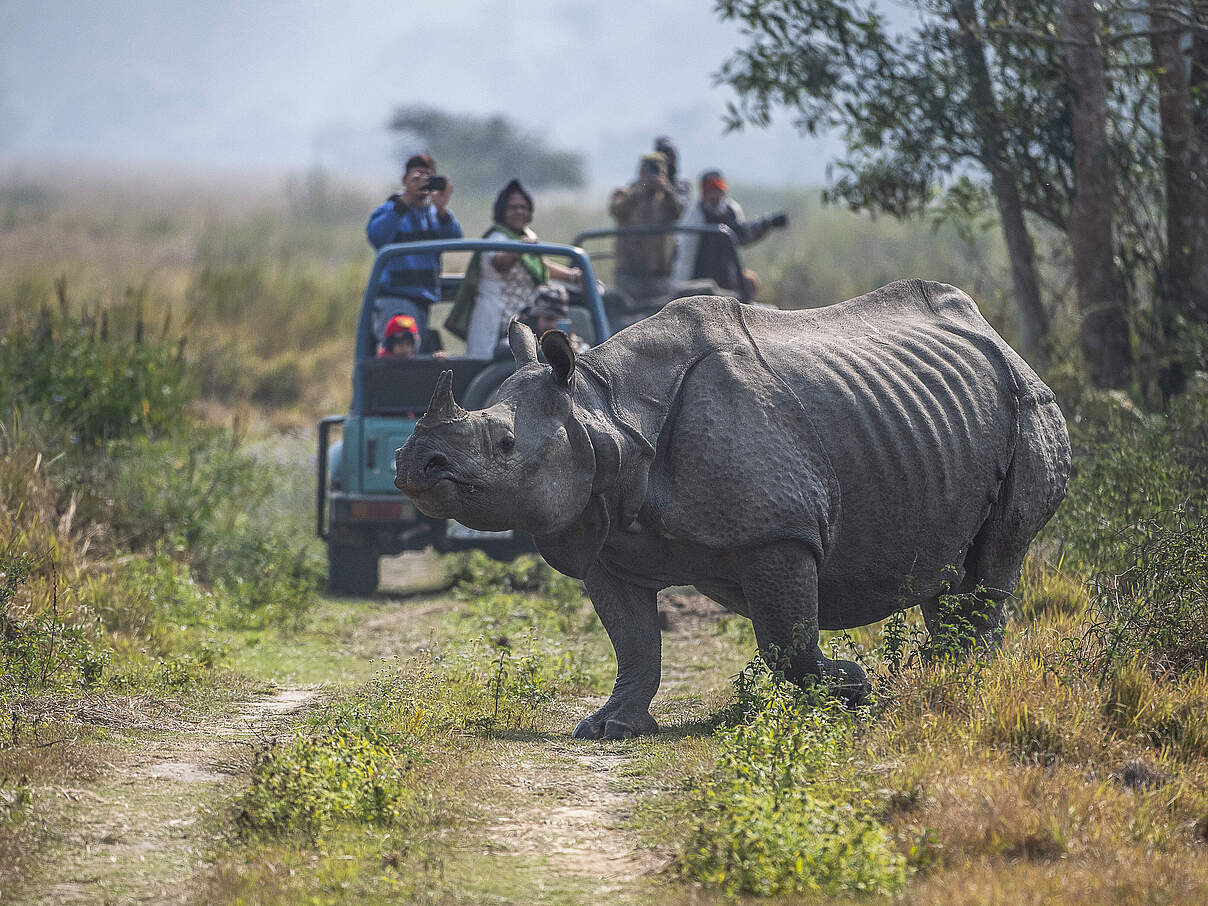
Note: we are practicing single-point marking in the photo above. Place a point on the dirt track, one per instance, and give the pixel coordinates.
(143, 830)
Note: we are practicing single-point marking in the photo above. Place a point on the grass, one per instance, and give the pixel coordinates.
(156, 567)
(377, 778)
(265, 286)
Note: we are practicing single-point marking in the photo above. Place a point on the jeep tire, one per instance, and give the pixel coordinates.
(352, 570)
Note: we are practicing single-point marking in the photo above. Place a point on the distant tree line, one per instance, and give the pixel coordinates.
(1089, 118)
(484, 153)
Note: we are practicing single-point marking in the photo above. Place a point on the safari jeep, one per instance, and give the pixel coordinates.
(360, 513)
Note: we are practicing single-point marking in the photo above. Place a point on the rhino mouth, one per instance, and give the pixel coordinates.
(428, 477)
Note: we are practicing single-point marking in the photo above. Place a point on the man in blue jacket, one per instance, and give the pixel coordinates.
(412, 283)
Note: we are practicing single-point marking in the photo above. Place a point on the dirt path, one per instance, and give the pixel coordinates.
(139, 832)
(558, 812)
(565, 807)
(569, 803)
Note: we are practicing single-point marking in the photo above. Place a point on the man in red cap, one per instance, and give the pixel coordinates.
(707, 257)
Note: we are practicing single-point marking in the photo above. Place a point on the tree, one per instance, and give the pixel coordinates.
(915, 112)
(994, 156)
(484, 153)
(1185, 162)
(1100, 294)
(974, 83)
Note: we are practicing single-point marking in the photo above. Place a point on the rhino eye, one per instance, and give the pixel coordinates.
(507, 443)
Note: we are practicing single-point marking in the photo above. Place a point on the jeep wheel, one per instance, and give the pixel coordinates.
(352, 571)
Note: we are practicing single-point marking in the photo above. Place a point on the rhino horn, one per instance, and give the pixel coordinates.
(443, 408)
(523, 344)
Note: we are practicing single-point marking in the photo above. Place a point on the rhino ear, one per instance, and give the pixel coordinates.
(523, 343)
(560, 355)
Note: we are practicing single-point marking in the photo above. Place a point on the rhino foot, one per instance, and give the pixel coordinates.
(615, 725)
(849, 683)
(853, 695)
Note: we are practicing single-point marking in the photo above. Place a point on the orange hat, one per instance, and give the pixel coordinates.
(712, 180)
(400, 323)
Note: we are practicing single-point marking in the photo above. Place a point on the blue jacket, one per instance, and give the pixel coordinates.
(414, 276)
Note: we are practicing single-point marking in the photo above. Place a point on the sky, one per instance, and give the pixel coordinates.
(273, 86)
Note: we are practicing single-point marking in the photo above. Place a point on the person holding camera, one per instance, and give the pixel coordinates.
(421, 211)
(644, 263)
(707, 257)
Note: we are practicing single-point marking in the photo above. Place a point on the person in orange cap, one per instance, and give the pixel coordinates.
(708, 257)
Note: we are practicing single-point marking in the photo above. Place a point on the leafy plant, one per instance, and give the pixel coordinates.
(42, 650)
(205, 498)
(312, 781)
(473, 574)
(73, 375)
(1130, 472)
(1155, 610)
(777, 815)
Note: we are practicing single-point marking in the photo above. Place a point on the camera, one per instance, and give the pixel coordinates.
(436, 184)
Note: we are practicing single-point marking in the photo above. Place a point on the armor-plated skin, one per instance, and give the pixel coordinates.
(809, 469)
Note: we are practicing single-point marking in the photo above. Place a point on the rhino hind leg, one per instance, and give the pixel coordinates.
(630, 617)
(1023, 502)
(780, 585)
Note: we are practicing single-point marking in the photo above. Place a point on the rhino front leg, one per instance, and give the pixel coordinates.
(630, 617)
(780, 583)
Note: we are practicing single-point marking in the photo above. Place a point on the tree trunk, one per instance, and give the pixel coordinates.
(1198, 93)
(1104, 328)
(1199, 68)
(1033, 319)
(1185, 169)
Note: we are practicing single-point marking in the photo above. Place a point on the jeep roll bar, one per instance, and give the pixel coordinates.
(656, 229)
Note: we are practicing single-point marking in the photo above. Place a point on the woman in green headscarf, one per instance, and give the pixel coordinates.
(499, 284)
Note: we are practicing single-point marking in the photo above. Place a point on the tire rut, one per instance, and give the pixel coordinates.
(139, 833)
(571, 802)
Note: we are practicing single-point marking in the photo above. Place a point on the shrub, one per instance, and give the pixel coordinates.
(98, 388)
(42, 650)
(776, 815)
(312, 781)
(205, 498)
(350, 763)
(473, 574)
(1129, 471)
(1157, 608)
(268, 579)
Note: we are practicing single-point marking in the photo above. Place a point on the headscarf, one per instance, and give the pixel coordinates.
(458, 322)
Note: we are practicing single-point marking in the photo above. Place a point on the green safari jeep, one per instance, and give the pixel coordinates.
(360, 513)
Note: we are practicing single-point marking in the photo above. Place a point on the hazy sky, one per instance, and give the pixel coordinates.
(272, 85)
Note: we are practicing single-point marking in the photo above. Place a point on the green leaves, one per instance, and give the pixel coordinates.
(780, 813)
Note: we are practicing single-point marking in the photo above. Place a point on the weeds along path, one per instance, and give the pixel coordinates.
(140, 831)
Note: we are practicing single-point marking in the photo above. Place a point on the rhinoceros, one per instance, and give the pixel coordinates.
(816, 469)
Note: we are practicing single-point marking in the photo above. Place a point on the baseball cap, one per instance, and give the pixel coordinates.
(401, 324)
